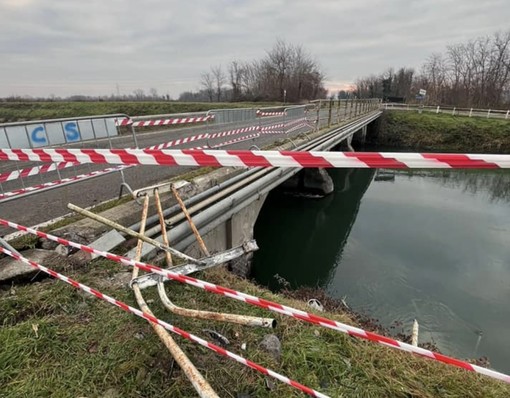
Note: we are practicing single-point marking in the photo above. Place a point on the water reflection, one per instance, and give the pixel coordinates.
(427, 245)
(300, 237)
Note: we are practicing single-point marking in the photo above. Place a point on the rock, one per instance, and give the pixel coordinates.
(242, 266)
(13, 270)
(48, 244)
(112, 393)
(271, 344)
(79, 259)
(68, 250)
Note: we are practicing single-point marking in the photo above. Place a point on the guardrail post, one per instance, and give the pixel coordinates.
(471, 112)
(453, 112)
(329, 112)
(437, 110)
(507, 114)
(488, 114)
(318, 121)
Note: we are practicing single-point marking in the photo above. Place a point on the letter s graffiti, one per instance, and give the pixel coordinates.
(72, 133)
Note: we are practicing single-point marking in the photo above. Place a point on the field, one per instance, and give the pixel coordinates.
(443, 133)
(20, 111)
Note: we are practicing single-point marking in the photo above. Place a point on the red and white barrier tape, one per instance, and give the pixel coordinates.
(80, 177)
(167, 326)
(163, 122)
(236, 140)
(271, 306)
(263, 114)
(208, 136)
(271, 127)
(32, 171)
(232, 132)
(180, 141)
(240, 158)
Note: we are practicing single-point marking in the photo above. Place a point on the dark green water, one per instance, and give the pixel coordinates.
(433, 245)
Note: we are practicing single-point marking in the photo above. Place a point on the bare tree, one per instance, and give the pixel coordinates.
(139, 94)
(219, 80)
(236, 71)
(153, 93)
(285, 68)
(472, 74)
(207, 82)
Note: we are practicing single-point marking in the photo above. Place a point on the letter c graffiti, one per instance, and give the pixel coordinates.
(38, 139)
(72, 133)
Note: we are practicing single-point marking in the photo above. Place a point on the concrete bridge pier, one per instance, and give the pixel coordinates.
(360, 137)
(310, 182)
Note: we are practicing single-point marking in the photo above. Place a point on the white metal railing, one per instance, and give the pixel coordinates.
(452, 110)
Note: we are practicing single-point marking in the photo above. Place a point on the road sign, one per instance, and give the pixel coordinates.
(423, 92)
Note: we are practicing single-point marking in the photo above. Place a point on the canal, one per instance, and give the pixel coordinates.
(399, 245)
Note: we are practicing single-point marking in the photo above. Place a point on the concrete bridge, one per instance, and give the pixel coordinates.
(226, 202)
(226, 212)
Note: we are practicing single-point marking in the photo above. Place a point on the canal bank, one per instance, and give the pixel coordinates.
(402, 245)
(430, 132)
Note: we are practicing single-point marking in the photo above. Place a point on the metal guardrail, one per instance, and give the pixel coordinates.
(18, 179)
(452, 110)
(212, 129)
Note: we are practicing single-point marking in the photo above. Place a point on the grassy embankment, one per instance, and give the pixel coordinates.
(20, 111)
(443, 133)
(59, 342)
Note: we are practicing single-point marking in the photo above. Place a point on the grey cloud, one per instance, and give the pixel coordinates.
(65, 47)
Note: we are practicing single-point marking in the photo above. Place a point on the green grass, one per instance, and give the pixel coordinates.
(440, 132)
(20, 111)
(86, 348)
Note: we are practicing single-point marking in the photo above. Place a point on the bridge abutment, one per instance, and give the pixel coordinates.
(310, 182)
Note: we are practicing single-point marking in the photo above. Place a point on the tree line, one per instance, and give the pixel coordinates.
(471, 74)
(287, 73)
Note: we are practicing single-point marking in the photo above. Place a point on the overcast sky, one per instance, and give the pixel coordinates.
(65, 47)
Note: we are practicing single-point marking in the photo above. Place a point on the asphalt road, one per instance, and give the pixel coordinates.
(44, 206)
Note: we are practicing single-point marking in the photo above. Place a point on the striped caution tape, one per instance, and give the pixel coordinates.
(271, 306)
(218, 158)
(167, 326)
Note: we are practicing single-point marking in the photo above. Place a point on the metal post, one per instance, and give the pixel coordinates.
(437, 110)
(63, 132)
(507, 114)
(16, 163)
(190, 221)
(471, 112)
(414, 336)
(132, 233)
(488, 113)
(201, 386)
(453, 112)
(318, 116)
(329, 112)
